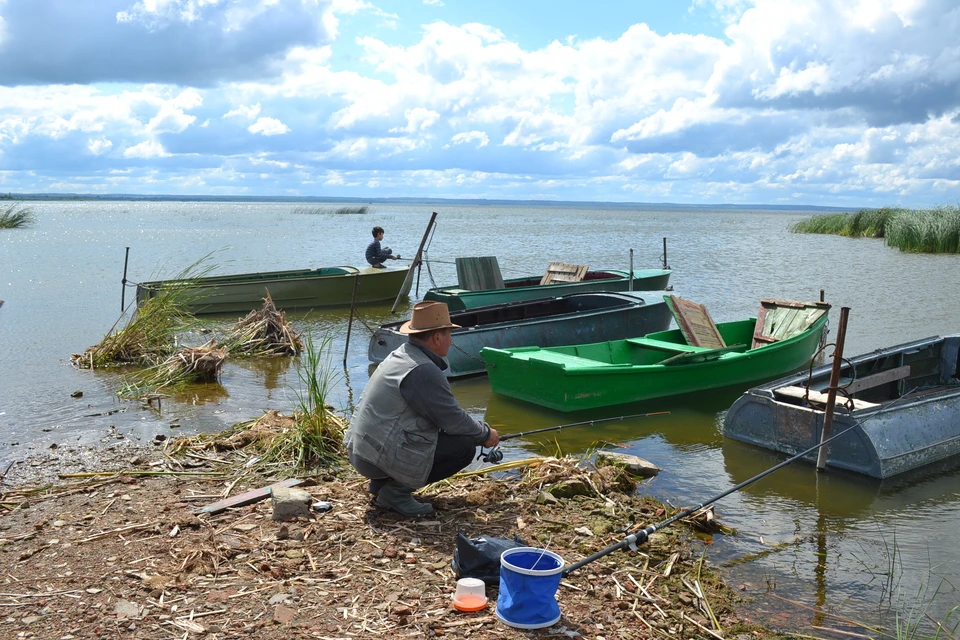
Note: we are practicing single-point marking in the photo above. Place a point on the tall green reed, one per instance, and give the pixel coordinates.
(16, 216)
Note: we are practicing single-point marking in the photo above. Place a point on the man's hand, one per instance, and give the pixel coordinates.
(394, 257)
(494, 438)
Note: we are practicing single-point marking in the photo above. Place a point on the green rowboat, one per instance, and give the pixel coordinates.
(529, 288)
(302, 289)
(661, 364)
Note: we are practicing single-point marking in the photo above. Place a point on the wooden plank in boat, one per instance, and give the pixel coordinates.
(799, 393)
(479, 274)
(877, 379)
(695, 323)
(781, 319)
(563, 272)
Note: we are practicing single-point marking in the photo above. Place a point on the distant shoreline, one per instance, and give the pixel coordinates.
(120, 197)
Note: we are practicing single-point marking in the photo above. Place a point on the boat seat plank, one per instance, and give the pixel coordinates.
(798, 393)
(565, 359)
(877, 379)
(702, 355)
(663, 345)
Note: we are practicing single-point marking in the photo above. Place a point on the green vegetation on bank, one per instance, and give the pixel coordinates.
(328, 210)
(16, 216)
(934, 230)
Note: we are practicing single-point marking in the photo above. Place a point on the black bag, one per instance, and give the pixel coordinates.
(480, 557)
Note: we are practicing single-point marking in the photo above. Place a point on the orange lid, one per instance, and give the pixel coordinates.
(470, 602)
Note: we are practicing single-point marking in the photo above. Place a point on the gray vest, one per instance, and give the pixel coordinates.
(385, 431)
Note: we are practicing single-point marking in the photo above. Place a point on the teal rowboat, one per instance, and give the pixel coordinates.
(529, 288)
(661, 364)
(302, 289)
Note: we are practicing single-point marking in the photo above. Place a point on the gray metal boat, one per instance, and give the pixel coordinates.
(575, 318)
(904, 401)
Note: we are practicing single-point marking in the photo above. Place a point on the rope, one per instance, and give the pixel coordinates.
(472, 357)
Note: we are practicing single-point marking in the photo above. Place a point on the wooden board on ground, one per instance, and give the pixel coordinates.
(563, 272)
(249, 497)
(479, 274)
(695, 323)
(781, 319)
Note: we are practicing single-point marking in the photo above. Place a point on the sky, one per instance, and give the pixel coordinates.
(787, 102)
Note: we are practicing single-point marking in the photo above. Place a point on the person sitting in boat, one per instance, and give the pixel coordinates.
(375, 254)
(408, 430)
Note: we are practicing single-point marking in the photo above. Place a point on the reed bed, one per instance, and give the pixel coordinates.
(934, 230)
(331, 210)
(926, 231)
(16, 216)
(263, 333)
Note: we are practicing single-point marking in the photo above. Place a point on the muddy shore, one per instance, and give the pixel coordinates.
(130, 555)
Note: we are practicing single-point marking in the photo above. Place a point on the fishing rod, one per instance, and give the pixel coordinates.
(640, 537)
(494, 455)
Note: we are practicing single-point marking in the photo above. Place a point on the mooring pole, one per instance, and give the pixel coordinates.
(123, 291)
(353, 307)
(665, 263)
(417, 259)
(630, 285)
(832, 391)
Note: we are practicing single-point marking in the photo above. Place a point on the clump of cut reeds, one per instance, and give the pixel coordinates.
(185, 366)
(265, 333)
(329, 210)
(16, 216)
(317, 438)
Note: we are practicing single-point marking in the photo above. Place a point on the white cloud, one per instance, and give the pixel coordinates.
(471, 136)
(243, 111)
(146, 149)
(268, 127)
(99, 146)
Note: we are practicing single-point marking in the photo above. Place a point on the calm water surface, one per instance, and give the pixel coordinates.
(837, 544)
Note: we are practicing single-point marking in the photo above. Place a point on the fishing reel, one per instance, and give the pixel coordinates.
(493, 456)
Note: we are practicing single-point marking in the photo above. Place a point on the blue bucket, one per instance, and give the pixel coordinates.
(529, 579)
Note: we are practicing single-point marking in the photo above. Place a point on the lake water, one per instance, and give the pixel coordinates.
(836, 544)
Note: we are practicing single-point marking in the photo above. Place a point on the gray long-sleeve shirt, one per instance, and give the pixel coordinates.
(427, 391)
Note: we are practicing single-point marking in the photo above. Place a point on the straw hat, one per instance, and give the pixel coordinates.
(428, 316)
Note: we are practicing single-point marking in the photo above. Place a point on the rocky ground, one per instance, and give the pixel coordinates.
(131, 555)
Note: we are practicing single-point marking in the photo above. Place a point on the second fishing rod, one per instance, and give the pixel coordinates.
(494, 455)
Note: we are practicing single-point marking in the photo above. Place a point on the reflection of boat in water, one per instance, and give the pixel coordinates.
(905, 401)
(691, 422)
(841, 494)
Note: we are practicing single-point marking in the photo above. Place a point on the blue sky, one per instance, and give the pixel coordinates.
(828, 102)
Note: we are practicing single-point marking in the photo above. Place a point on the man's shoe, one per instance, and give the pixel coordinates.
(376, 484)
(398, 497)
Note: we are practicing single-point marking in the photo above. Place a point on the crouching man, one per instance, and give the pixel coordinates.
(408, 430)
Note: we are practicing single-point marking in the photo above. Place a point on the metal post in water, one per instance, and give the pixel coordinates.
(665, 264)
(630, 284)
(832, 391)
(417, 259)
(353, 307)
(123, 291)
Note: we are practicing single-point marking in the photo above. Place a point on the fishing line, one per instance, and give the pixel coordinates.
(633, 540)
